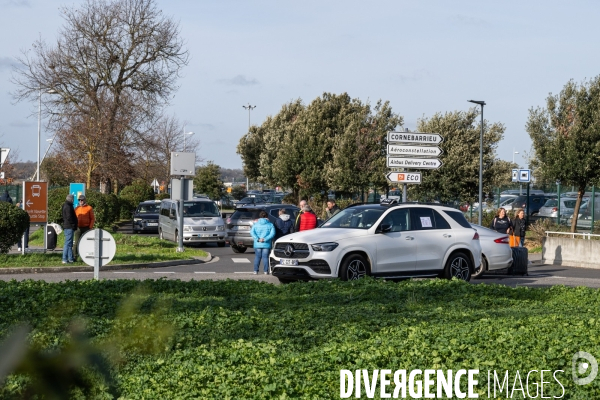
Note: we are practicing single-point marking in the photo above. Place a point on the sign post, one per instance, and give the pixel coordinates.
(97, 248)
(35, 202)
(3, 155)
(183, 164)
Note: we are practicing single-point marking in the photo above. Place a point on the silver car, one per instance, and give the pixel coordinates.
(495, 250)
(550, 208)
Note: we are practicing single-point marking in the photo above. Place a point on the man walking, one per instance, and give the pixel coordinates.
(85, 221)
(69, 225)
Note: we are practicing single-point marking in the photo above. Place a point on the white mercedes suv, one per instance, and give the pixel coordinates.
(398, 241)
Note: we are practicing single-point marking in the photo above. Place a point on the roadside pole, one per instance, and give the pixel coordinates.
(528, 209)
(404, 189)
(558, 207)
(593, 200)
(180, 248)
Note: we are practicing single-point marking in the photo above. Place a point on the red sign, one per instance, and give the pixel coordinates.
(35, 200)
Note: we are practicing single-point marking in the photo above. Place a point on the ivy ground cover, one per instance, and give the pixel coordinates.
(250, 340)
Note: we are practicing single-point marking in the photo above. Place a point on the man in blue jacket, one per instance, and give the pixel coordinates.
(263, 233)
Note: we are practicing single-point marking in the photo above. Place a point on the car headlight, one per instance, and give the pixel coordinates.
(329, 246)
(220, 227)
(137, 219)
(187, 228)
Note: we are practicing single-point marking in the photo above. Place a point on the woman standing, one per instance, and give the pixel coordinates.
(519, 227)
(262, 232)
(501, 223)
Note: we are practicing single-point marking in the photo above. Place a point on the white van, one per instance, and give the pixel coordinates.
(202, 222)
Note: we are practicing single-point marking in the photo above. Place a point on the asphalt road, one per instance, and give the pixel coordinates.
(228, 265)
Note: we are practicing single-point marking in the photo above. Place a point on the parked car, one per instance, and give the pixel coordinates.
(145, 216)
(250, 201)
(202, 222)
(397, 241)
(550, 208)
(242, 219)
(495, 250)
(536, 201)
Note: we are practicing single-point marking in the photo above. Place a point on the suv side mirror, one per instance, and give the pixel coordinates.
(383, 228)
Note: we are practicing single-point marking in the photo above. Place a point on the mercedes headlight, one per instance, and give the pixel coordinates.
(137, 219)
(187, 228)
(329, 246)
(220, 227)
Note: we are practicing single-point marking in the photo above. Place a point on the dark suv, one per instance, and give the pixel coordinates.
(145, 216)
(536, 201)
(239, 224)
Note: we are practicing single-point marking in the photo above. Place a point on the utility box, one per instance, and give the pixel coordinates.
(188, 189)
(183, 164)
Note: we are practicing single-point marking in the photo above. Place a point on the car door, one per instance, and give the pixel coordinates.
(433, 237)
(396, 253)
(172, 222)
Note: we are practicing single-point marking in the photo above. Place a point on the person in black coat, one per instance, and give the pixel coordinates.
(501, 223)
(69, 226)
(520, 226)
(6, 197)
(283, 225)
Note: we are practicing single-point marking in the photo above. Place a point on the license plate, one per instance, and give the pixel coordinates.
(206, 235)
(288, 262)
(152, 224)
(243, 227)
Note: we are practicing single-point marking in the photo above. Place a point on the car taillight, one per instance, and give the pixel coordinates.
(476, 236)
(229, 220)
(503, 240)
(554, 209)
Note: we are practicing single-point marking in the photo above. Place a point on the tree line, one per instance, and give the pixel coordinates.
(340, 143)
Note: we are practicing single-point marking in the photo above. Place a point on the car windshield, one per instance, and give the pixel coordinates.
(148, 209)
(247, 214)
(200, 209)
(355, 218)
(570, 203)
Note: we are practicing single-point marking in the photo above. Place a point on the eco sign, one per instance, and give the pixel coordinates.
(404, 177)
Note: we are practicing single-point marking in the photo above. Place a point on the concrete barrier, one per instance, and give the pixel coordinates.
(583, 253)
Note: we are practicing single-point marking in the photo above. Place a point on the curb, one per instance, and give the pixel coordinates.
(41, 270)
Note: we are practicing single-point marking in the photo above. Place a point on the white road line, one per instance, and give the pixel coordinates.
(204, 272)
(164, 272)
(240, 260)
(84, 272)
(123, 272)
(243, 272)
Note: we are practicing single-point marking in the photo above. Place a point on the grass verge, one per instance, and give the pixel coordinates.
(131, 249)
(251, 340)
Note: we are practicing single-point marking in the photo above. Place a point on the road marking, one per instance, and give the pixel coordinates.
(204, 272)
(243, 272)
(240, 260)
(123, 272)
(164, 272)
(84, 272)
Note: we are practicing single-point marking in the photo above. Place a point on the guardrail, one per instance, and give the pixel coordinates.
(587, 236)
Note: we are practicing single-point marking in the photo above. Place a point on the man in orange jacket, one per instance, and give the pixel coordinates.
(85, 221)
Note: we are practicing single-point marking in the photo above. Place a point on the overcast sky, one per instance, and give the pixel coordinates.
(422, 56)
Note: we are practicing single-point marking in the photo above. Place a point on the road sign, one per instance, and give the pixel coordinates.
(524, 175)
(414, 163)
(515, 175)
(414, 137)
(398, 150)
(97, 248)
(404, 177)
(3, 155)
(76, 189)
(35, 199)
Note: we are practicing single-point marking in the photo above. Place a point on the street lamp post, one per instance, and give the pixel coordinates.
(50, 91)
(249, 108)
(514, 152)
(481, 103)
(184, 135)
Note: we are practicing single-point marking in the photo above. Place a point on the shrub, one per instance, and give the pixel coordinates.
(106, 206)
(13, 222)
(133, 194)
(538, 230)
(162, 196)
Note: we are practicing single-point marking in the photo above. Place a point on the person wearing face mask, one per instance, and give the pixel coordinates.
(85, 221)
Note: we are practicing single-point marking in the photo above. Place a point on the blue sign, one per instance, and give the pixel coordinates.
(76, 189)
(524, 175)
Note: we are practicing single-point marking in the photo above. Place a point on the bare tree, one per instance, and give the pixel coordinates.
(113, 68)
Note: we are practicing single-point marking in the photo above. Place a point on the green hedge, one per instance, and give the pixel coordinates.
(13, 222)
(252, 340)
(107, 207)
